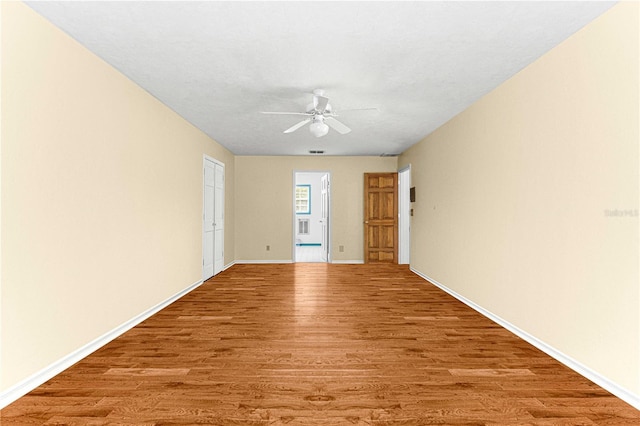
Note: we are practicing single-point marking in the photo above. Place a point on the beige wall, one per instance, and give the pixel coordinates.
(513, 194)
(264, 203)
(101, 197)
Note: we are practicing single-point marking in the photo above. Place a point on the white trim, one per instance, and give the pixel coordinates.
(602, 381)
(218, 162)
(263, 261)
(404, 216)
(228, 265)
(348, 262)
(30, 383)
(405, 168)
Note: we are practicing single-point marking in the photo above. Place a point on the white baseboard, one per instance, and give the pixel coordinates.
(602, 381)
(30, 383)
(228, 265)
(348, 262)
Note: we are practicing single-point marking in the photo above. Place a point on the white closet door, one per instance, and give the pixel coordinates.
(218, 220)
(208, 235)
(213, 219)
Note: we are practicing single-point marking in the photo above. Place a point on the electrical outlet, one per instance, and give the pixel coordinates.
(268, 248)
(341, 249)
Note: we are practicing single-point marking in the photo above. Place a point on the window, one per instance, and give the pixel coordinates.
(303, 199)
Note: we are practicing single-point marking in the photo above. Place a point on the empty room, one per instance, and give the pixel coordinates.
(320, 213)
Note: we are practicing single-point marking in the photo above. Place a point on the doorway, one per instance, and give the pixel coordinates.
(404, 215)
(311, 216)
(212, 218)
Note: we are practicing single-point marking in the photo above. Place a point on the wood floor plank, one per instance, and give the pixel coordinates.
(318, 344)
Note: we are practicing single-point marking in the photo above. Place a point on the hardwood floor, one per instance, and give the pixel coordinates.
(318, 344)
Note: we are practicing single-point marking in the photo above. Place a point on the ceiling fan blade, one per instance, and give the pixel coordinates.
(285, 113)
(336, 125)
(360, 109)
(320, 103)
(297, 126)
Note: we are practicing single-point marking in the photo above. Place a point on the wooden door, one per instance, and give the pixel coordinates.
(381, 218)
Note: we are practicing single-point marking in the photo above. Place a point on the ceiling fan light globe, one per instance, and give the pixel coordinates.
(318, 129)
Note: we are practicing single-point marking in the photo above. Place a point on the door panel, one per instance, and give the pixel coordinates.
(381, 217)
(381, 236)
(373, 235)
(386, 237)
(382, 180)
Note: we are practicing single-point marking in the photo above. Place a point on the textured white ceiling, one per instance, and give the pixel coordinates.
(218, 64)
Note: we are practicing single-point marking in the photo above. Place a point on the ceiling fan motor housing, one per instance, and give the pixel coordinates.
(312, 109)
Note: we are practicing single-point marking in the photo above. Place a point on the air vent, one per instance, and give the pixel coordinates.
(303, 226)
(315, 152)
(388, 155)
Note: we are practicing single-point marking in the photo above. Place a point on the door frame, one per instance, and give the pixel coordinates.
(206, 158)
(326, 207)
(404, 215)
(294, 223)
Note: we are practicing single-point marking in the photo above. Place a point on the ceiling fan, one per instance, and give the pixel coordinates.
(320, 115)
